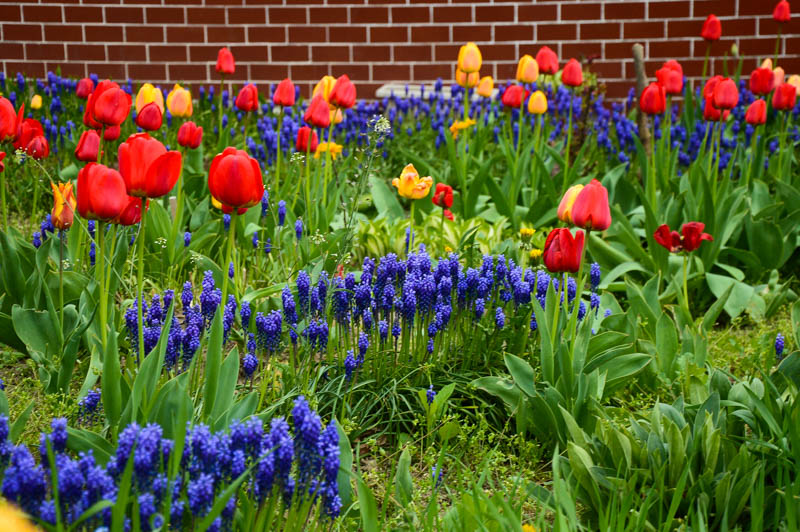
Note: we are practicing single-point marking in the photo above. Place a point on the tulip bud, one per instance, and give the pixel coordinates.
(284, 94)
(537, 103)
(131, 213)
(514, 96)
(527, 69)
(147, 168)
(38, 147)
(778, 76)
(485, 87)
(84, 88)
(150, 117)
(318, 112)
(467, 80)
(190, 136)
(670, 76)
(307, 140)
(101, 192)
(782, 13)
(785, 97)
(547, 60)
(653, 100)
(562, 251)
(179, 101)
(343, 93)
(108, 106)
(112, 133)
(711, 84)
(64, 204)
(324, 87)
(443, 196)
(247, 100)
(565, 207)
(756, 113)
(36, 102)
(88, 146)
(726, 94)
(712, 29)
(147, 94)
(761, 81)
(572, 74)
(590, 209)
(235, 179)
(225, 62)
(469, 58)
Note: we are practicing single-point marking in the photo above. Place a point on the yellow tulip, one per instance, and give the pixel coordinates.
(324, 87)
(147, 93)
(469, 58)
(767, 63)
(36, 102)
(62, 214)
(322, 147)
(565, 207)
(537, 103)
(336, 115)
(13, 519)
(794, 80)
(467, 80)
(485, 87)
(527, 69)
(778, 75)
(458, 125)
(179, 101)
(410, 185)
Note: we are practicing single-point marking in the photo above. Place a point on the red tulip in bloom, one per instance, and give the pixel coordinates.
(443, 196)
(711, 84)
(101, 192)
(26, 131)
(756, 113)
(88, 146)
(84, 88)
(547, 59)
(247, 100)
(225, 63)
(514, 96)
(9, 119)
(147, 168)
(670, 76)
(150, 117)
(782, 13)
(305, 135)
(712, 114)
(108, 105)
(690, 240)
(38, 147)
(190, 136)
(562, 251)
(112, 133)
(726, 94)
(572, 74)
(343, 93)
(590, 210)
(761, 81)
(132, 212)
(653, 100)
(284, 93)
(318, 112)
(785, 97)
(712, 29)
(234, 179)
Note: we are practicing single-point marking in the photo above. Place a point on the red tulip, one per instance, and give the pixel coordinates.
(318, 112)
(9, 119)
(761, 81)
(514, 96)
(247, 100)
(572, 74)
(38, 147)
(671, 240)
(101, 192)
(653, 100)
(284, 93)
(562, 251)
(726, 94)
(108, 105)
(670, 76)
(711, 84)
(132, 212)
(693, 235)
(225, 63)
(147, 168)
(26, 131)
(785, 97)
(112, 133)
(190, 136)
(304, 135)
(84, 88)
(782, 13)
(234, 179)
(88, 146)
(756, 113)
(443, 196)
(547, 60)
(712, 29)
(449, 215)
(590, 210)
(713, 114)
(343, 93)
(150, 117)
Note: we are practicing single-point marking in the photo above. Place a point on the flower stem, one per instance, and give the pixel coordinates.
(3, 199)
(685, 285)
(777, 45)
(100, 265)
(228, 255)
(569, 142)
(140, 281)
(705, 61)
(278, 158)
(61, 279)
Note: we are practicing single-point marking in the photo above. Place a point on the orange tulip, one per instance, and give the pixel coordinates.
(467, 80)
(469, 58)
(64, 205)
(527, 69)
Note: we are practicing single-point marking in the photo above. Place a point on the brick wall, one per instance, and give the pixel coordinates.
(374, 41)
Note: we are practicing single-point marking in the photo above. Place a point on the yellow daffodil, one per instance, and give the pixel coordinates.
(179, 101)
(324, 87)
(458, 125)
(147, 93)
(410, 185)
(336, 149)
(36, 102)
(485, 87)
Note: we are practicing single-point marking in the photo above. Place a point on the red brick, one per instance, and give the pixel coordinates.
(619, 50)
(537, 13)
(415, 14)
(446, 53)
(493, 13)
(258, 34)
(104, 33)
(23, 32)
(755, 46)
(291, 53)
(205, 15)
(224, 2)
(147, 71)
(247, 15)
(413, 53)
(308, 72)
(369, 53)
(624, 10)
(250, 52)
(349, 34)
(669, 49)
(287, 15)
(581, 11)
(643, 30)
(669, 10)
(328, 15)
(129, 15)
(298, 34)
(703, 8)
(10, 13)
(495, 52)
(607, 69)
(684, 28)
(108, 70)
(517, 32)
(360, 15)
(601, 30)
(53, 52)
(618, 89)
(146, 33)
(83, 14)
(75, 70)
(188, 72)
(128, 52)
(42, 13)
(12, 51)
(331, 54)
(472, 32)
(393, 34)
(271, 71)
(185, 34)
(224, 34)
(354, 72)
(452, 14)
(557, 32)
(203, 53)
(391, 73)
(424, 34)
(165, 15)
(423, 72)
(506, 71)
(582, 49)
(86, 52)
(169, 52)
(36, 70)
(745, 27)
(63, 32)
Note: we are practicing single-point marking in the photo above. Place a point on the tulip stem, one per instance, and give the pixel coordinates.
(140, 281)
(228, 255)
(569, 141)
(100, 277)
(685, 284)
(777, 45)
(327, 164)
(441, 231)
(3, 199)
(411, 229)
(753, 143)
(178, 220)
(279, 154)
(61, 279)
(221, 89)
(35, 182)
(705, 61)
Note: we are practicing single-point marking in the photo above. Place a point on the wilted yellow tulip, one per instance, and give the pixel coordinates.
(36, 102)
(537, 103)
(324, 87)
(458, 125)
(527, 69)
(179, 101)
(485, 87)
(565, 207)
(469, 58)
(322, 147)
(410, 185)
(147, 94)
(467, 80)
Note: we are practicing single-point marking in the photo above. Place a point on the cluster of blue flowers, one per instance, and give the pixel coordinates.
(89, 407)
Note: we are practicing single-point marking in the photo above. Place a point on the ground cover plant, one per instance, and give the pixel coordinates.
(480, 305)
